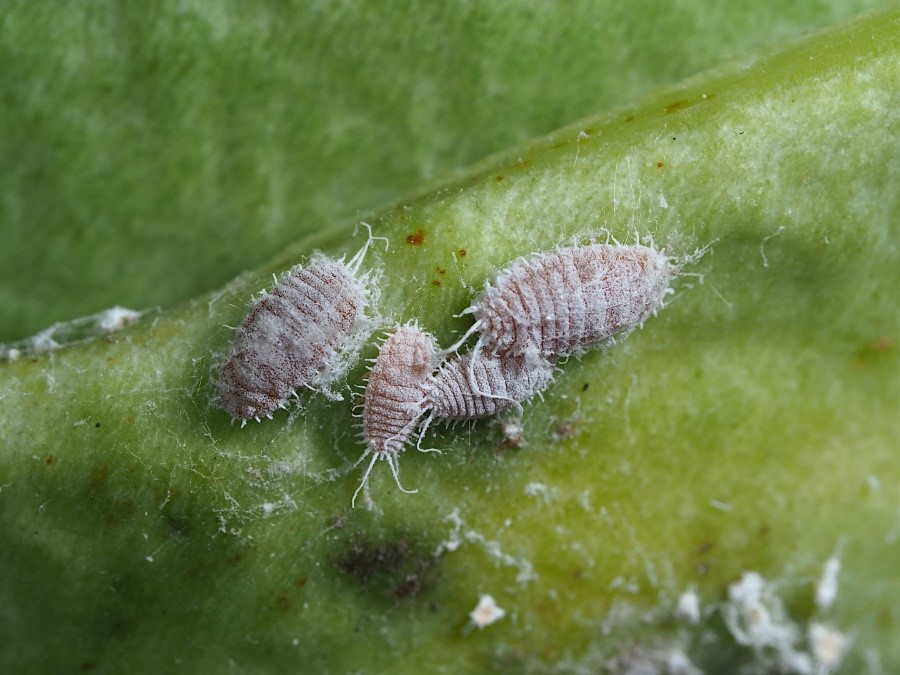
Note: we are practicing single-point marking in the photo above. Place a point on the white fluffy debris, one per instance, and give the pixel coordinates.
(486, 612)
(688, 607)
(116, 318)
(756, 618)
(827, 588)
(677, 663)
(828, 646)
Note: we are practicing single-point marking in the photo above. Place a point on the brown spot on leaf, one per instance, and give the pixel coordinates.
(659, 165)
(500, 177)
(436, 282)
(396, 567)
(441, 270)
(674, 105)
(416, 238)
(463, 253)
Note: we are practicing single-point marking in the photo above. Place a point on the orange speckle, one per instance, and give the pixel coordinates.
(659, 165)
(883, 345)
(462, 253)
(416, 238)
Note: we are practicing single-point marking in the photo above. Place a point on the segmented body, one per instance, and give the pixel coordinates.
(464, 389)
(298, 334)
(395, 396)
(559, 303)
(395, 393)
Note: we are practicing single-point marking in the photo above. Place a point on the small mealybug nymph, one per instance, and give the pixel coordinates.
(306, 332)
(395, 396)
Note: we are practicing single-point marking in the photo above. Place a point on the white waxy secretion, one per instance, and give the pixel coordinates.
(560, 303)
(486, 612)
(306, 332)
(395, 396)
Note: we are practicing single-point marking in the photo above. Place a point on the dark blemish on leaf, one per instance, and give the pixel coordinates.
(675, 105)
(88, 665)
(416, 238)
(463, 253)
(364, 560)
(673, 138)
(100, 476)
(49, 460)
(630, 118)
(659, 165)
(699, 559)
(441, 270)
(397, 568)
(178, 526)
(585, 386)
(409, 588)
(97, 425)
(500, 178)
(436, 282)
(567, 428)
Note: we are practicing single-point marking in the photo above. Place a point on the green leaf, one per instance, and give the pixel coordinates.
(750, 426)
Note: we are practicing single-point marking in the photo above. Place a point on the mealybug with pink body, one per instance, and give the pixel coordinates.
(306, 332)
(395, 396)
(562, 302)
(466, 391)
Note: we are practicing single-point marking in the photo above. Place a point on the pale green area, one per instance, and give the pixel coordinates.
(151, 151)
(141, 532)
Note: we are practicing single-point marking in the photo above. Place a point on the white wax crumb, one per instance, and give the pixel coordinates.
(535, 489)
(827, 588)
(688, 607)
(662, 202)
(677, 663)
(828, 645)
(874, 483)
(116, 318)
(755, 617)
(486, 612)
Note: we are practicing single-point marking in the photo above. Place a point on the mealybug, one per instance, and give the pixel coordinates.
(467, 390)
(560, 303)
(305, 332)
(395, 396)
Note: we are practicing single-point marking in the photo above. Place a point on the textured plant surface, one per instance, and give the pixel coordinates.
(750, 426)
